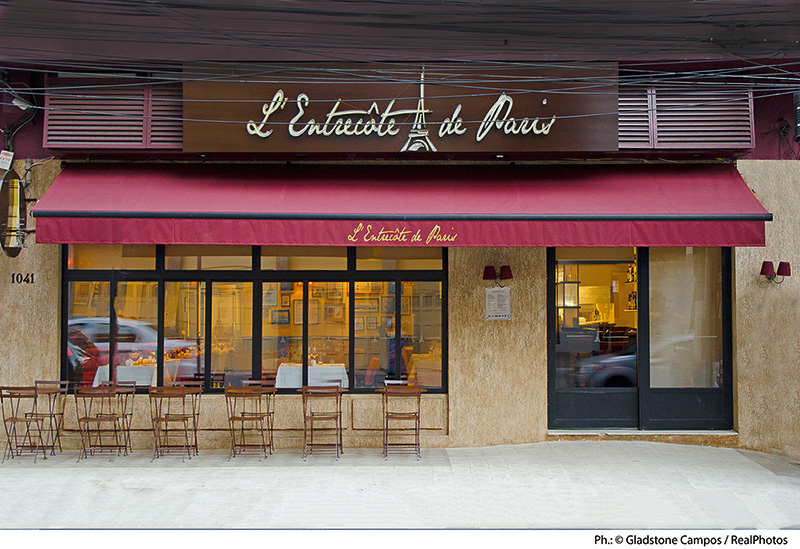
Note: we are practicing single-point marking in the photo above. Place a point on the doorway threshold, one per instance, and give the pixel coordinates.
(728, 439)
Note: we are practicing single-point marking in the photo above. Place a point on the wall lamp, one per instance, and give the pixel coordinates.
(768, 271)
(490, 273)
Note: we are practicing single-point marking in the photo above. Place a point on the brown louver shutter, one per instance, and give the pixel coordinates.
(703, 119)
(166, 116)
(80, 114)
(635, 128)
(671, 118)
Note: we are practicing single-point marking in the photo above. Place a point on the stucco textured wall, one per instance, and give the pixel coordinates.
(767, 317)
(30, 312)
(498, 368)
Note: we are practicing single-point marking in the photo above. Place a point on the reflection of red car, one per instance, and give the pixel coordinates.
(614, 339)
(83, 358)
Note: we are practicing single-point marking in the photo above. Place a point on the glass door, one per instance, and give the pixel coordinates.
(594, 360)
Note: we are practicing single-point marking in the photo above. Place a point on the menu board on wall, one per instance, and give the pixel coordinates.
(498, 303)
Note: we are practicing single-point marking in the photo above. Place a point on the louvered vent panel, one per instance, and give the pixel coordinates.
(703, 119)
(634, 119)
(109, 117)
(166, 111)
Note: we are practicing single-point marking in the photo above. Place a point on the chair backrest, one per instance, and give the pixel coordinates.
(408, 397)
(167, 400)
(254, 383)
(321, 398)
(17, 402)
(95, 401)
(62, 386)
(246, 400)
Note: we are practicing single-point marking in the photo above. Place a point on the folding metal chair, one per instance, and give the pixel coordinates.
(99, 421)
(194, 390)
(22, 424)
(401, 418)
(51, 398)
(248, 413)
(322, 412)
(171, 415)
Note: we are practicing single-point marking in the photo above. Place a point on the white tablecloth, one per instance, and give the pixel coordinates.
(142, 375)
(291, 376)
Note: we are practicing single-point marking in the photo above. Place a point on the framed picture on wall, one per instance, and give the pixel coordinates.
(270, 298)
(297, 311)
(334, 312)
(81, 293)
(372, 323)
(286, 300)
(313, 311)
(279, 316)
(359, 323)
(334, 291)
(387, 304)
(317, 292)
(369, 304)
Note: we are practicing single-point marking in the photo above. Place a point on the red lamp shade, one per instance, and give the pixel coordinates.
(489, 273)
(505, 272)
(784, 269)
(767, 269)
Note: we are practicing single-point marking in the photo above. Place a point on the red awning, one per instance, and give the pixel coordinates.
(408, 205)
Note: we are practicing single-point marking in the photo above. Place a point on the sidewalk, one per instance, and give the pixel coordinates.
(549, 485)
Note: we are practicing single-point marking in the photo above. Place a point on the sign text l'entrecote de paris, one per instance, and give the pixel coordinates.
(384, 122)
(387, 110)
(381, 234)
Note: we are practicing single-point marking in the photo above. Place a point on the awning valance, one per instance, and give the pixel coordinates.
(408, 205)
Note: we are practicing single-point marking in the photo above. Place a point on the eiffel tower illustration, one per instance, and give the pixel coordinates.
(418, 139)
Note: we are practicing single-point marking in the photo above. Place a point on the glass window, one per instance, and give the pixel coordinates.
(136, 307)
(184, 331)
(596, 318)
(390, 259)
(303, 258)
(685, 317)
(231, 333)
(328, 333)
(111, 256)
(375, 332)
(208, 258)
(421, 332)
(281, 333)
(309, 328)
(88, 332)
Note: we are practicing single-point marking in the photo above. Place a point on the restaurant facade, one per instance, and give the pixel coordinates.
(547, 261)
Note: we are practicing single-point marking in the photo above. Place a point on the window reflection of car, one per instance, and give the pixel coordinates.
(614, 339)
(616, 369)
(619, 369)
(83, 358)
(134, 339)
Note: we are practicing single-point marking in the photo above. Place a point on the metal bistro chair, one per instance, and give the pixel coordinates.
(126, 394)
(322, 411)
(172, 417)
(51, 397)
(401, 418)
(194, 390)
(268, 385)
(248, 413)
(22, 424)
(99, 421)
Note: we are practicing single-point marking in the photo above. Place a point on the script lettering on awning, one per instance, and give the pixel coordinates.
(373, 234)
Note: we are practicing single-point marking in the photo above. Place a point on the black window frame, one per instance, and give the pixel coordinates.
(257, 277)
